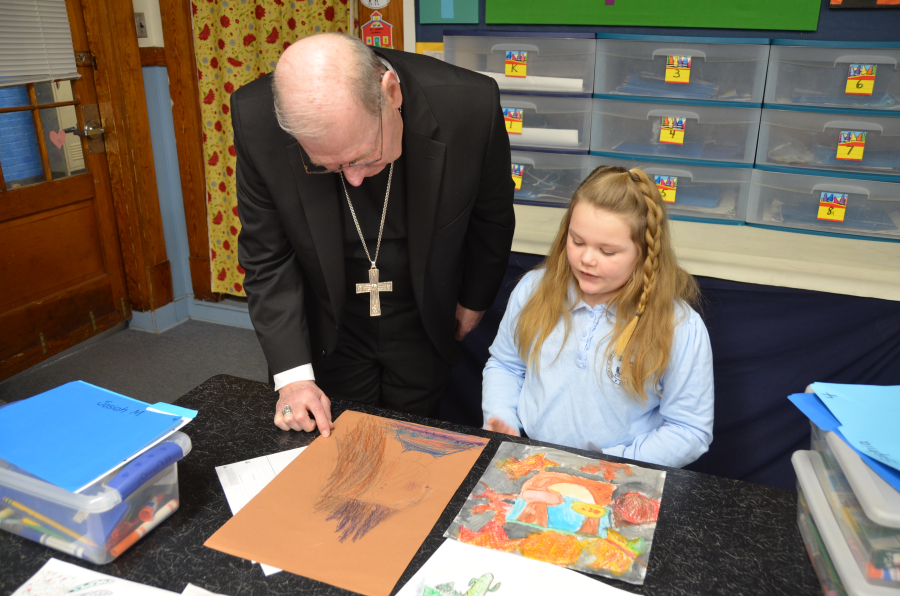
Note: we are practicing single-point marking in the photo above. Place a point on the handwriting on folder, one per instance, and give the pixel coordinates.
(868, 415)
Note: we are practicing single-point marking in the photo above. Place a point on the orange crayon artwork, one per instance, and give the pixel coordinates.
(552, 506)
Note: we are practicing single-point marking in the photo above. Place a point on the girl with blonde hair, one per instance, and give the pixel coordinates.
(600, 347)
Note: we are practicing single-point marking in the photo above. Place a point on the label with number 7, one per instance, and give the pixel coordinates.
(667, 186)
(672, 131)
(851, 145)
(832, 206)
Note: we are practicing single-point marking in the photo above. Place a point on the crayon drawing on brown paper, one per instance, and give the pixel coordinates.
(354, 508)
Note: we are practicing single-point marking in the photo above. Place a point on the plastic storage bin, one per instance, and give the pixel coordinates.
(795, 139)
(546, 122)
(553, 65)
(548, 178)
(720, 69)
(853, 581)
(875, 547)
(103, 520)
(818, 554)
(817, 75)
(700, 192)
(798, 201)
(706, 132)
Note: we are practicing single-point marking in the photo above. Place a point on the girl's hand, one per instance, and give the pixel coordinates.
(498, 426)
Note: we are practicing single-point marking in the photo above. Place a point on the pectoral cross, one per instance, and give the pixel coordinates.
(373, 288)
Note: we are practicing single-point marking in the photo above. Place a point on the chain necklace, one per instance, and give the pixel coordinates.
(374, 286)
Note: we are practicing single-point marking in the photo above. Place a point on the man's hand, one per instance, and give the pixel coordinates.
(466, 320)
(311, 408)
(498, 426)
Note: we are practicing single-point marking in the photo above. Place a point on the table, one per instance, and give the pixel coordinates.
(714, 535)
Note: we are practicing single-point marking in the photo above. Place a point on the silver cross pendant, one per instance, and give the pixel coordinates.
(373, 288)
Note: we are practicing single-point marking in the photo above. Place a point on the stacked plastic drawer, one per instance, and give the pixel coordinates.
(545, 81)
(829, 141)
(686, 111)
(849, 519)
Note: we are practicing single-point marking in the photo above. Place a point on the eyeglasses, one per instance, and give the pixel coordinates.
(317, 169)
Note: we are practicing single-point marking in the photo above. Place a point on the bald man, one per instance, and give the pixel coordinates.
(375, 198)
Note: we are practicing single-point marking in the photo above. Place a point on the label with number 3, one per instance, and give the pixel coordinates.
(678, 69)
(667, 185)
(832, 206)
(851, 145)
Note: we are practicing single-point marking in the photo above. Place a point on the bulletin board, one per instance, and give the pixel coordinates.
(796, 15)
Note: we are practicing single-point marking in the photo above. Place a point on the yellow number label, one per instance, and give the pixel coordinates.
(832, 206)
(672, 131)
(513, 118)
(861, 79)
(851, 145)
(517, 171)
(516, 64)
(667, 186)
(678, 69)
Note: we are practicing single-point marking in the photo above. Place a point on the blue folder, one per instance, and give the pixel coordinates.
(76, 433)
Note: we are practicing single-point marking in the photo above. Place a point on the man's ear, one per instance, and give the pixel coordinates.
(390, 86)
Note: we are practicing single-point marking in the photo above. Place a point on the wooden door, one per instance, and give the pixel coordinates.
(61, 273)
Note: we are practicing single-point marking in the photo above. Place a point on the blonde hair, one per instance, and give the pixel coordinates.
(644, 306)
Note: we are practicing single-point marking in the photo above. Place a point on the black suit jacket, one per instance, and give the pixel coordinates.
(459, 208)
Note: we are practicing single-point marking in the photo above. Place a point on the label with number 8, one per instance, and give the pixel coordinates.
(832, 206)
(667, 185)
(851, 145)
(672, 131)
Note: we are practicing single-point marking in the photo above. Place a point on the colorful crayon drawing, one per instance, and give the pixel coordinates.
(851, 145)
(366, 488)
(478, 586)
(516, 64)
(546, 504)
(832, 206)
(678, 69)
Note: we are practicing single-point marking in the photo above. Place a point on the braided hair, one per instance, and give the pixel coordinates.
(644, 306)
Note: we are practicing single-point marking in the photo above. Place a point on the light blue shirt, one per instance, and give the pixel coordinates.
(573, 401)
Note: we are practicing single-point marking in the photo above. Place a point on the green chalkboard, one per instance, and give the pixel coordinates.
(794, 15)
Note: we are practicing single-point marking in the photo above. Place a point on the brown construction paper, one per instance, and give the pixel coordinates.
(383, 484)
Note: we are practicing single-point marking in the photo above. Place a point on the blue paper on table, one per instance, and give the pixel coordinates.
(72, 435)
(868, 416)
(822, 417)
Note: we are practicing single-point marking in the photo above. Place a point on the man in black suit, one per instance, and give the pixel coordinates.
(375, 198)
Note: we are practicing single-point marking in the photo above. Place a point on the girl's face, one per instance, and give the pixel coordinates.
(601, 253)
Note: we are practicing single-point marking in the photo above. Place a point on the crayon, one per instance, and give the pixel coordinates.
(122, 530)
(48, 521)
(146, 513)
(145, 527)
(60, 545)
(42, 529)
(6, 513)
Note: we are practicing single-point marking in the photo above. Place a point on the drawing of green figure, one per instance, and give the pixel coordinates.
(477, 587)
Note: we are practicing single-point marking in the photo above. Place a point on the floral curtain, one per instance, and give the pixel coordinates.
(235, 42)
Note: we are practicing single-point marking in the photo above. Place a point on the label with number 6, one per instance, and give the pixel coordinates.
(667, 185)
(851, 145)
(672, 131)
(861, 79)
(832, 206)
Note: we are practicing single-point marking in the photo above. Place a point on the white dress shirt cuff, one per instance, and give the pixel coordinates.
(300, 373)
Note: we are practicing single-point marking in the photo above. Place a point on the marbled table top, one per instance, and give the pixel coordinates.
(714, 535)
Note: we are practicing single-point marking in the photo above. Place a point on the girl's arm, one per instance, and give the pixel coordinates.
(686, 405)
(504, 373)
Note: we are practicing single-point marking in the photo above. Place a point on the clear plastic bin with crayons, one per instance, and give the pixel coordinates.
(102, 521)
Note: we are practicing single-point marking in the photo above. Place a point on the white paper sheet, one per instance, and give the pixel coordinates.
(56, 578)
(546, 137)
(192, 590)
(460, 569)
(243, 480)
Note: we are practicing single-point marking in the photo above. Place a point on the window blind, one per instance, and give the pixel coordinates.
(35, 42)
